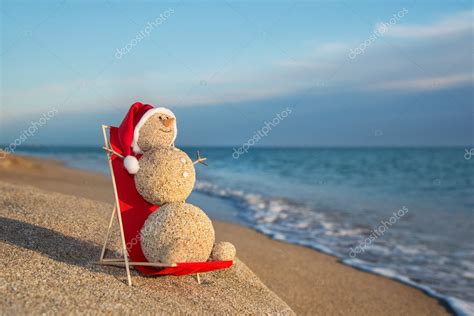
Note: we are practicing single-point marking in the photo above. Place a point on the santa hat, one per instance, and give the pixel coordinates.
(129, 131)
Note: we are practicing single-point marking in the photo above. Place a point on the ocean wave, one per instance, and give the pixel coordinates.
(276, 216)
(297, 223)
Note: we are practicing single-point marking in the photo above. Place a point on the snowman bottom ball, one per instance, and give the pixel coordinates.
(166, 175)
(177, 232)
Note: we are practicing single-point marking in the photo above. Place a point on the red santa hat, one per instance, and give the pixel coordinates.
(129, 131)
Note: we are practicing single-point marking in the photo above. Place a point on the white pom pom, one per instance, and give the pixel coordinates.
(131, 164)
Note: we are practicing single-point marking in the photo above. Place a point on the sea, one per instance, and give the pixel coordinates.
(404, 213)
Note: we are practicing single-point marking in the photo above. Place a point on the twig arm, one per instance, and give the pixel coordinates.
(111, 151)
(199, 159)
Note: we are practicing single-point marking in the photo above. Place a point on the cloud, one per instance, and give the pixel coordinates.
(392, 62)
(425, 84)
(452, 25)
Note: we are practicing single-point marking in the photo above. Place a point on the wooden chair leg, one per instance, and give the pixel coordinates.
(102, 254)
(117, 207)
(198, 278)
(124, 250)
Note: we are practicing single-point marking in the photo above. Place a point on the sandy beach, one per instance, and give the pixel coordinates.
(53, 223)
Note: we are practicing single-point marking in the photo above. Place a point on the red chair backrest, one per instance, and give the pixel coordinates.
(133, 208)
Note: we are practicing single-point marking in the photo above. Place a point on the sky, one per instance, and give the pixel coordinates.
(353, 73)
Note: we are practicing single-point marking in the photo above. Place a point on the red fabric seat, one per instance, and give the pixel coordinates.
(135, 210)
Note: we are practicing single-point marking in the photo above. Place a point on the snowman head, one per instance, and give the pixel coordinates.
(144, 128)
(157, 128)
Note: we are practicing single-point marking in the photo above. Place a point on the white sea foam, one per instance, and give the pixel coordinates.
(345, 232)
(409, 250)
(286, 220)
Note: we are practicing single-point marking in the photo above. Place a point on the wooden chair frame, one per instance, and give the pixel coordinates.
(116, 213)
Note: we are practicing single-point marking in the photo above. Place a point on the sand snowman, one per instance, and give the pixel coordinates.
(165, 176)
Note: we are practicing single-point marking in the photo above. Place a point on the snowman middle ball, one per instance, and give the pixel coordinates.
(166, 175)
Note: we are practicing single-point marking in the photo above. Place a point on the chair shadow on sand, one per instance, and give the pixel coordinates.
(53, 244)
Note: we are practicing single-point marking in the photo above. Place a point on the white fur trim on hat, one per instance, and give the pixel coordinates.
(145, 117)
(131, 164)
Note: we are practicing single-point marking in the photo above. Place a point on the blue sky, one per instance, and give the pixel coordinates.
(226, 67)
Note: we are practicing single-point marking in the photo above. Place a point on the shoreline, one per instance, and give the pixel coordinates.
(452, 305)
(307, 268)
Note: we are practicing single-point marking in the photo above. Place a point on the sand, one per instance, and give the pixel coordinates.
(311, 283)
(50, 242)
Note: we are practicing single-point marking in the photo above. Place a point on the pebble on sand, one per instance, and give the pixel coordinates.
(223, 251)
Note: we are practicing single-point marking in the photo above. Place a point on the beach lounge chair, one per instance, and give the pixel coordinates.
(132, 210)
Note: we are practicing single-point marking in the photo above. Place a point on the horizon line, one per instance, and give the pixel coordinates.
(99, 146)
